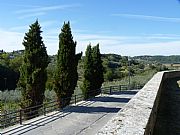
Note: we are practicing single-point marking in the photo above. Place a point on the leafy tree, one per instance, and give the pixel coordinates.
(98, 69)
(151, 66)
(109, 75)
(33, 74)
(8, 78)
(16, 63)
(4, 57)
(66, 75)
(87, 85)
(141, 66)
(9, 70)
(160, 67)
(50, 73)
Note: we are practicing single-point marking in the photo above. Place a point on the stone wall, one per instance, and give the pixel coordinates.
(138, 117)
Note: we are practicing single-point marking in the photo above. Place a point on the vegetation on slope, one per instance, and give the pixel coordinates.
(160, 59)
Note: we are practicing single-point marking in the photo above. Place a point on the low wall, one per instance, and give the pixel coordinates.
(138, 117)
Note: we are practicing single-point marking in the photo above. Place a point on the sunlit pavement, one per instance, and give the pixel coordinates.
(86, 118)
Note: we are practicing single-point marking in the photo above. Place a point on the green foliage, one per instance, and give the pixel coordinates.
(50, 95)
(15, 63)
(109, 75)
(50, 72)
(98, 69)
(11, 60)
(9, 69)
(160, 59)
(33, 74)
(87, 85)
(141, 66)
(66, 75)
(8, 78)
(160, 67)
(140, 78)
(10, 99)
(93, 72)
(5, 58)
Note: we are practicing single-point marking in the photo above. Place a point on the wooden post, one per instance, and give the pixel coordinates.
(110, 90)
(20, 116)
(44, 109)
(75, 99)
(119, 87)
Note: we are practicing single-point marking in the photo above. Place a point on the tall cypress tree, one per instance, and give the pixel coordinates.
(87, 85)
(66, 75)
(98, 77)
(33, 73)
(93, 72)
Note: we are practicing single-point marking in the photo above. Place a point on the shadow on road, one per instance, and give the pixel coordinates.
(90, 109)
(110, 99)
(127, 92)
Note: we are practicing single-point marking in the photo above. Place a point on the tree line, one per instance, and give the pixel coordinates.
(33, 71)
(160, 59)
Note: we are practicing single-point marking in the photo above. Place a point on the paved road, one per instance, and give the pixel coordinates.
(84, 119)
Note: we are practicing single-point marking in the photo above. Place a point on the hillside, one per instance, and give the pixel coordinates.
(159, 59)
(116, 67)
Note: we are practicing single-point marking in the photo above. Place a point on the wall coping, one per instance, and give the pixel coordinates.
(137, 117)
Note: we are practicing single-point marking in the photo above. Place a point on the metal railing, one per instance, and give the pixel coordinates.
(17, 117)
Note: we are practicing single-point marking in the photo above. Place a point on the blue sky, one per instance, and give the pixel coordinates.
(125, 27)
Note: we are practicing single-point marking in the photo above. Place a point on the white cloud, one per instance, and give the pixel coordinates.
(149, 17)
(25, 6)
(108, 44)
(31, 15)
(124, 44)
(11, 40)
(47, 8)
(89, 37)
(24, 28)
(165, 48)
(150, 38)
(51, 44)
(164, 36)
(18, 28)
(35, 11)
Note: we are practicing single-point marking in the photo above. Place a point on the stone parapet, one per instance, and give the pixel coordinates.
(138, 117)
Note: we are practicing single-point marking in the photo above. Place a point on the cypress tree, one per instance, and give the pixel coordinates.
(66, 75)
(33, 73)
(93, 72)
(87, 85)
(98, 77)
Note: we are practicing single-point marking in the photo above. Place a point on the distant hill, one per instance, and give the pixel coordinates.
(115, 58)
(160, 59)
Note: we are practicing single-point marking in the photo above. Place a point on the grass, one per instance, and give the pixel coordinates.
(141, 78)
(10, 100)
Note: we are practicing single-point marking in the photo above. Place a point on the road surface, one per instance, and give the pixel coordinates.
(86, 118)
